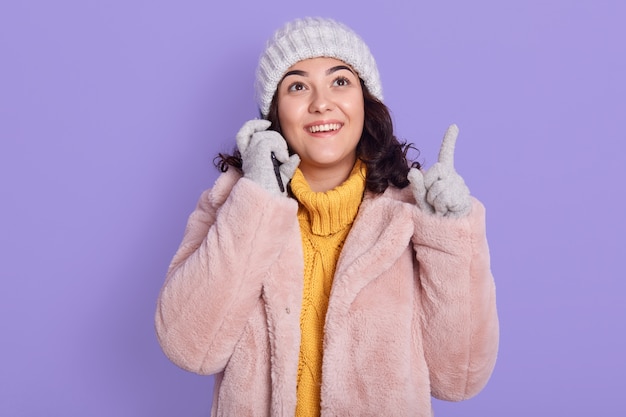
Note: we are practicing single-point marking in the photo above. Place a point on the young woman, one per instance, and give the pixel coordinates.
(322, 274)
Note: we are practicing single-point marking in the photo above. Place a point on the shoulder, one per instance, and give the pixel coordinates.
(392, 195)
(395, 203)
(216, 195)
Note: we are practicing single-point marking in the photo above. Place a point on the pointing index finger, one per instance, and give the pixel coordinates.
(446, 153)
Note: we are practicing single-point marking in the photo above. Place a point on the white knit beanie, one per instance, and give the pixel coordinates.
(312, 38)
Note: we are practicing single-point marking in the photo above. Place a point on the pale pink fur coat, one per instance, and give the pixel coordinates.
(412, 311)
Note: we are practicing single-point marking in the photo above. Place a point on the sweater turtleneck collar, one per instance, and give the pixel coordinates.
(330, 211)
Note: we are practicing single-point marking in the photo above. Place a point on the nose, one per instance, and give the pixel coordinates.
(320, 102)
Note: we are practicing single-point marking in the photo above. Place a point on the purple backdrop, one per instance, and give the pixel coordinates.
(111, 113)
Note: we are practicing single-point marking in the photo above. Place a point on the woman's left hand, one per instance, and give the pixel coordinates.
(441, 190)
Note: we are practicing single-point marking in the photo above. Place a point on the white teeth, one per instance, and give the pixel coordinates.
(324, 128)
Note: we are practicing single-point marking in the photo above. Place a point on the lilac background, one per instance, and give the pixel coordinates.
(111, 112)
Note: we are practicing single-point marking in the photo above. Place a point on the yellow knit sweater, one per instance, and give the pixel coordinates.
(325, 220)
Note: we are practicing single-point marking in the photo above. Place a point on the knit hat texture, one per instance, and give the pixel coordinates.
(312, 37)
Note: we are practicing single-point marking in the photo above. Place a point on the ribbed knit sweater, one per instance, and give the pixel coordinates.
(325, 219)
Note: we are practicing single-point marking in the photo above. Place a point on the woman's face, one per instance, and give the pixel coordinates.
(321, 114)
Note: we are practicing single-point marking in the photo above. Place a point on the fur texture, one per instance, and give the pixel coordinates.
(412, 310)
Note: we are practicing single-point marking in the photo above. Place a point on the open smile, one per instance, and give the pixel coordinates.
(326, 127)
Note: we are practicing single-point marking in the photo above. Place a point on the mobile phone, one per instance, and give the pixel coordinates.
(277, 165)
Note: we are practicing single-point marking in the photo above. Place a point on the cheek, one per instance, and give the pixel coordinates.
(355, 107)
(287, 114)
(357, 116)
(290, 116)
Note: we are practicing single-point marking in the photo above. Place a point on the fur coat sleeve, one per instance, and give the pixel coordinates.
(215, 279)
(458, 309)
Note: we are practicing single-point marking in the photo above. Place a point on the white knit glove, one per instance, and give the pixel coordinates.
(264, 155)
(441, 191)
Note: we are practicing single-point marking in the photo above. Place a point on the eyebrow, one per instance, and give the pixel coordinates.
(328, 71)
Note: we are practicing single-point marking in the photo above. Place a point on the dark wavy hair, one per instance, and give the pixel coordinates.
(383, 154)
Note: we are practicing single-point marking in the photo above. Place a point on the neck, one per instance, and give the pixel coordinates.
(325, 179)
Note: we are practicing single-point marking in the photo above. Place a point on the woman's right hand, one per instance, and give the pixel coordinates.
(258, 146)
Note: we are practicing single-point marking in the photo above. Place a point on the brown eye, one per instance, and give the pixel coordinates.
(296, 87)
(342, 82)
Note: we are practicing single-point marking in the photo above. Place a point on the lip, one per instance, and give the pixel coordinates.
(335, 125)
